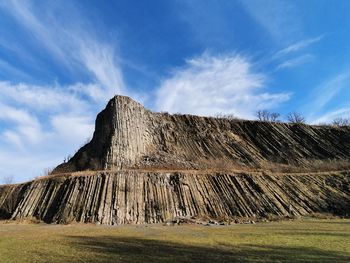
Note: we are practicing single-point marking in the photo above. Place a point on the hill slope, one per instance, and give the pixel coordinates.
(128, 136)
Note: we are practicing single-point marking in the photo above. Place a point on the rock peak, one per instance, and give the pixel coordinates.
(119, 139)
(122, 99)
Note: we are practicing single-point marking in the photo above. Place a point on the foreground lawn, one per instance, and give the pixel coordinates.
(306, 240)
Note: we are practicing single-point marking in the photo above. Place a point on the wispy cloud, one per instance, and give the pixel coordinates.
(72, 45)
(208, 85)
(291, 63)
(8, 69)
(330, 88)
(299, 45)
(51, 98)
(24, 126)
(52, 120)
(278, 17)
(329, 116)
(42, 121)
(323, 96)
(99, 59)
(22, 105)
(72, 127)
(45, 32)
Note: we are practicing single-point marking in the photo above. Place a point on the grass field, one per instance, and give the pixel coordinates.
(307, 240)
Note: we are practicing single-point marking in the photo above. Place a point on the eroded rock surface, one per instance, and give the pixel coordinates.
(128, 136)
(140, 197)
(145, 167)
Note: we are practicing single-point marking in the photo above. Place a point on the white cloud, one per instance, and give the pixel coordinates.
(38, 98)
(299, 45)
(8, 69)
(26, 127)
(331, 115)
(291, 63)
(92, 90)
(61, 107)
(324, 94)
(23, 12)
(83, 127)
(330, 88)
(13, 137)
(73, 45)
(51, 121)
(278, 17)
(100, 60)
(209, 85)
(48, 122)
(12, 114)
(42, 121)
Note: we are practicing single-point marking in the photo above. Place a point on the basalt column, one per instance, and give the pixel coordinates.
(130, 136)
(121, 137)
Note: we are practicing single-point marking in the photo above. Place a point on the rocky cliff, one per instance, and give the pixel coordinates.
(151, 197)
(145, 167)
(129, 136)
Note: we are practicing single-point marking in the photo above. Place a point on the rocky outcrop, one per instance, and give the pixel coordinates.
(143, 197)
(144, 167)
(121, 137)
(10, 196)
(129, 136)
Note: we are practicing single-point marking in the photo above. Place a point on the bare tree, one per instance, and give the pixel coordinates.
(264, 115)
(295, 117)
(66, 159)
(8, 179)
(274, 117)
(341, 122)
(226, 116)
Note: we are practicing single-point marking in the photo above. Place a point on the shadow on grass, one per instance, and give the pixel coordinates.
(113, 249)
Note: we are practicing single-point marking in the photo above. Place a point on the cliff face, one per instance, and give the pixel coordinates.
(121, 137)
(152, 197)
(149, 167)
(129, 136)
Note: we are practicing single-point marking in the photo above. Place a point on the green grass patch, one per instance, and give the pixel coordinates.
(308, 240)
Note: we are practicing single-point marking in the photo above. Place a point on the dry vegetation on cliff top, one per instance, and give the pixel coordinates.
(307, 240)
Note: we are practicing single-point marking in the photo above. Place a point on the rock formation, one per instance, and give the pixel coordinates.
(129, 136)
(152, 197)
(145, 167)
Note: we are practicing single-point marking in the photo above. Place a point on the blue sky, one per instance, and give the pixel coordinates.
(61, 61)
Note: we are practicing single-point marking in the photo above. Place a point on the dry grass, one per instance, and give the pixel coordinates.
(305, 240)
(226, 166)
